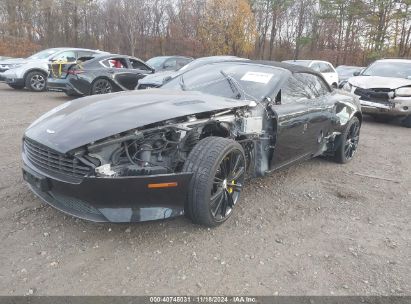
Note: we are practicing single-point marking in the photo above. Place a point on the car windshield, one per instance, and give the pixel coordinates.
(156, 62)
(43, 54)
(347, 71)
(389, 69)
(232, 80)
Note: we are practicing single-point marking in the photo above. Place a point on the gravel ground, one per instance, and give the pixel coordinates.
(318, 228)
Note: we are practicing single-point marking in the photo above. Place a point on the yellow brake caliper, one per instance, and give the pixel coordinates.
(231, 189)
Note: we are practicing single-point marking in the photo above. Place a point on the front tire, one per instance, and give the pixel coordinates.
(218, 166)
(349, 142)
(36, 81)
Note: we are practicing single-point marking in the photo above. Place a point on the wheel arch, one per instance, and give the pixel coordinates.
(35, 70)
(359, 116)
(113, 83)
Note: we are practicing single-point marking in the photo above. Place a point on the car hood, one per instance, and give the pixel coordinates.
(157, 78)
(85, 120)
(369, 82)
(12, 61)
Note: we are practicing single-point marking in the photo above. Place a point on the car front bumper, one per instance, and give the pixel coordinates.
(396, 107)
(105, 199)
(13, 79)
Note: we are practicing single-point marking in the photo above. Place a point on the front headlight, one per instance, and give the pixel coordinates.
(403, 92)
(347, 87)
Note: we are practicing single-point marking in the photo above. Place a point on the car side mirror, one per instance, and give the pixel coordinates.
(356, 73)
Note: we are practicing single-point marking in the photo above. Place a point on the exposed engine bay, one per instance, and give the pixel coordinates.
(163, 147)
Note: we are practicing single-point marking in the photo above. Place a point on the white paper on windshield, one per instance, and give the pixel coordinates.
(257, 77)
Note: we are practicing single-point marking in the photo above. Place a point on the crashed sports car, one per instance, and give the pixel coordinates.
(189, 147)
(384, 90)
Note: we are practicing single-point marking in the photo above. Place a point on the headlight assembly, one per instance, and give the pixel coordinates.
(403, 92)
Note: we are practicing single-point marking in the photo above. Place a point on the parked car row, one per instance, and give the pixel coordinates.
(80, 72)
(384, 88)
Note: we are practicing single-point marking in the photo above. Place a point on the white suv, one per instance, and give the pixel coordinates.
(323, 67)
(32, 72)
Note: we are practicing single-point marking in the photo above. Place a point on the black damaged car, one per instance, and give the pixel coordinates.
(97, 75)
(189, 147)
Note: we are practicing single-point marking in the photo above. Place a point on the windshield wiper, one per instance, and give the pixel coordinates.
(233, 85)
(181, 83)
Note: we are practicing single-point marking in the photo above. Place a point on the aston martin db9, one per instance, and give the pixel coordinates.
(189, 147)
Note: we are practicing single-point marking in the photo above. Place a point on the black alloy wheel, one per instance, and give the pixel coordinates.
(227, 185)
(349, 141)
(219, 167)
(101, 86)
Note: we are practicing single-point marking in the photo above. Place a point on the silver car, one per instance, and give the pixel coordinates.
(32, 72)
(384, 89)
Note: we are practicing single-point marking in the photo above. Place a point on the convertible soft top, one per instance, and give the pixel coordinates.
(293, 68)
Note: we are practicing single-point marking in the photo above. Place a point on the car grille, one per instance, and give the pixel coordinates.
(147, 86)
(375, 95)
(54, 163)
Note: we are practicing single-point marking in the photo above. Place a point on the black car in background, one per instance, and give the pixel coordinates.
(168, 63)
(158, 79)
(347, 71)
(97, 75)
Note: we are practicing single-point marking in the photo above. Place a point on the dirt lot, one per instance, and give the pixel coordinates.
(318, 228)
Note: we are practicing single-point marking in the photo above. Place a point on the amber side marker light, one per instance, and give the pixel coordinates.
(162, 185)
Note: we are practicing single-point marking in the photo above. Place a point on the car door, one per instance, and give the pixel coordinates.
(121, 72)
(139, 71)
(302, 119)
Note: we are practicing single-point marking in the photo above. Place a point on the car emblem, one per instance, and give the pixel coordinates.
(50, 131)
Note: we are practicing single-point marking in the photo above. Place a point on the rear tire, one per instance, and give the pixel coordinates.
(407, 121)
(36, 81)
(349, 142)
(218, 166)
(16, 87)
(101, 86)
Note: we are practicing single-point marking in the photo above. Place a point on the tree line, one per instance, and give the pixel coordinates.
(341, 31)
